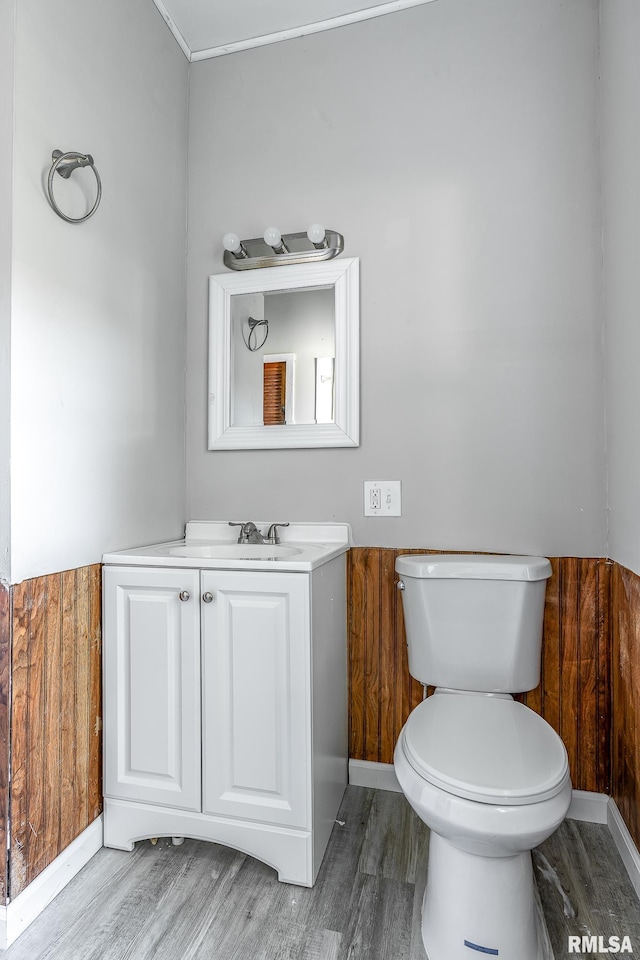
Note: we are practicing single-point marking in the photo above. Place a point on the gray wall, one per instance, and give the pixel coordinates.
(620, 53)
(455, 146)
(7, 36)
(98, 309)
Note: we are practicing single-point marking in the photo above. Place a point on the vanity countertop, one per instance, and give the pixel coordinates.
(212, 545)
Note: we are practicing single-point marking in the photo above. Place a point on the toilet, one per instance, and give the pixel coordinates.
(488, 776)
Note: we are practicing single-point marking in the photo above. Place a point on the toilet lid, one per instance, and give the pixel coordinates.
(485, 748)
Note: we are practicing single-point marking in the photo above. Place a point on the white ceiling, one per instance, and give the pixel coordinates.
(211, 28)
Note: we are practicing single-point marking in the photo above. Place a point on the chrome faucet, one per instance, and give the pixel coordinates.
(249, 533)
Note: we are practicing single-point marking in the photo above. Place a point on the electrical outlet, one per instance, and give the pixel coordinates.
(382, 498)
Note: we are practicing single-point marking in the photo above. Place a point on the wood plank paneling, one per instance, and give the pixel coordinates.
(568, 655)
(382, 692)
(355, 663)
(36, 697)
(55, 730)
(625, 687)
(69, 695)
(5, 674)
(52, 726)
(388, 691)
(587, 676)
(603, 683)
(94, 793)
(371, 617)
(546, 697)
(571, 695)
(18, 791)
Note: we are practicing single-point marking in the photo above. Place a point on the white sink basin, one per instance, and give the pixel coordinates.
(233, 551)
(211, 545)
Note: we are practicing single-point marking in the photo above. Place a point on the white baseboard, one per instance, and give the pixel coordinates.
(19, 913)
(624, 843)
(591, 807)
(367, 773)
(588, 806)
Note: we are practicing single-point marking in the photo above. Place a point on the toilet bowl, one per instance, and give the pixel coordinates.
(487, 775)
(490, 778)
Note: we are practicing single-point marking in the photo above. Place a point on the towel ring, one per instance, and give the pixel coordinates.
(65, 164)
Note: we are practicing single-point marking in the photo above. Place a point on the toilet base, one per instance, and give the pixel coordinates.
(478, 906)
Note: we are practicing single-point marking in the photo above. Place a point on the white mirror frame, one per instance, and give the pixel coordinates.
(343, 276)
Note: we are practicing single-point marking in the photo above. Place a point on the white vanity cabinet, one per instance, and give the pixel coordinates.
(225, 709)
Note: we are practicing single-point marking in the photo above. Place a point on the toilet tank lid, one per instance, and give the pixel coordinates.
(460, 566)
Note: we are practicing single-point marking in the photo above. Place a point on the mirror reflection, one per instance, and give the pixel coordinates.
(283, 357)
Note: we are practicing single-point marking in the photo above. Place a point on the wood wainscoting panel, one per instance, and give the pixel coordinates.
(5, 667)
(382, 693)
(625, 688)
(56, 717)
(573, 693)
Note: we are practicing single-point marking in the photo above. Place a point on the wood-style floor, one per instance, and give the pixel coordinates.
(201, 901)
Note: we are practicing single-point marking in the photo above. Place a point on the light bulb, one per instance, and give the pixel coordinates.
(272, 237)
(315, 233)
(231, 242)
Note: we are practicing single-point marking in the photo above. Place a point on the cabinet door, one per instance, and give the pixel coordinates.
(256, 690)
(152, 686)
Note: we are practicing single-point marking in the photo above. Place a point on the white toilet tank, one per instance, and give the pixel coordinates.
(474, 622)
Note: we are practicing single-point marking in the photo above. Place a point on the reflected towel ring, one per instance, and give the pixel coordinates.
(65, 164)
(251, 341)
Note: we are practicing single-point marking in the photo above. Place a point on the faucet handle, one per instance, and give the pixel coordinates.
(272, 533)
(243, 531)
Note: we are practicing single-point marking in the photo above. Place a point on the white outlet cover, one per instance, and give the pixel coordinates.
(382, 498)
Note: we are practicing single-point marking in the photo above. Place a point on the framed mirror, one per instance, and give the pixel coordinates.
(284, 357)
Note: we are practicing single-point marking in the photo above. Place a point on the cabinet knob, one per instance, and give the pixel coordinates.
(184, 595)
(207, 597)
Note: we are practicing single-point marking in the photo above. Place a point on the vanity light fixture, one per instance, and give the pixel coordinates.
(275, 249)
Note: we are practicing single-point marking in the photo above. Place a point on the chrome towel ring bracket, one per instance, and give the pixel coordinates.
(65, 164)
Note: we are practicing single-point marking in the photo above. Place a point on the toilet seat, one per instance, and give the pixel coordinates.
(487, 749)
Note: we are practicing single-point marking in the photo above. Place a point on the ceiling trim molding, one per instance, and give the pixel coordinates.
(220, 51)
(174, 30)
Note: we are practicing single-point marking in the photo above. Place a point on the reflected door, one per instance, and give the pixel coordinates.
(274, 392)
